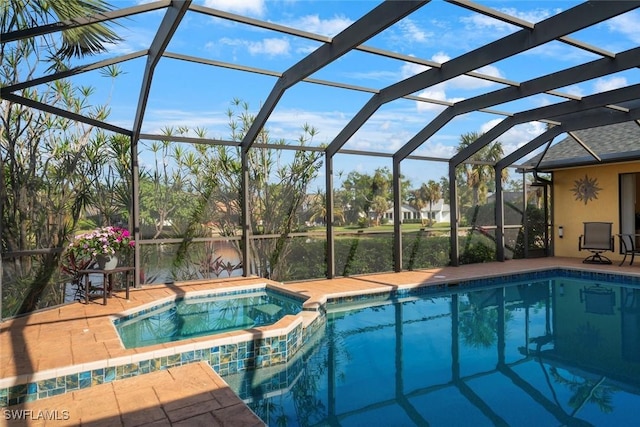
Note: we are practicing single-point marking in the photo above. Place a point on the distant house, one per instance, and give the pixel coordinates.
(408, 212)
(436, 212)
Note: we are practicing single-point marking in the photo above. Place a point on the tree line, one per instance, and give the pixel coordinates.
(61, 176)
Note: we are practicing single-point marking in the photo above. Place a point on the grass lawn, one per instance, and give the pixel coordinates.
(385, 228)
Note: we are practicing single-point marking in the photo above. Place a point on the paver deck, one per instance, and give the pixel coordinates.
(61, 338)
(188, 395)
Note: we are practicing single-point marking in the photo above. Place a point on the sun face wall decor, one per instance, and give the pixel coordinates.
(585, 189)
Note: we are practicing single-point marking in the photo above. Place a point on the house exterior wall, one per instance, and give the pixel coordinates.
(571, 213)
(443, 216)
(408, 213)
(440, 212)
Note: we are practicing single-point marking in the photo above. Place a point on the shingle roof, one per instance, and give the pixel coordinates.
(619, 142)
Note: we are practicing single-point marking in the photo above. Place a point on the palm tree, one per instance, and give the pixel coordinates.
(379, 206)
(78, 41)
(318, 208)
(433, 194)
(418, 198)
(479, 175)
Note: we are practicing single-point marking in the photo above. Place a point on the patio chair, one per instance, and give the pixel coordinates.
(628, 247)
(598, 300)
(597, 238)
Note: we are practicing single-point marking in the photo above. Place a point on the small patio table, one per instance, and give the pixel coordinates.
(107, 281)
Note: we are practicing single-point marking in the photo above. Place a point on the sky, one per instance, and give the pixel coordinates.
(198, 96)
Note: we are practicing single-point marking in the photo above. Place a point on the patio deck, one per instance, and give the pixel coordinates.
(57, 341)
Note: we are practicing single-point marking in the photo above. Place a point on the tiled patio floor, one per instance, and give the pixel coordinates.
(58, 340)
(188, 395)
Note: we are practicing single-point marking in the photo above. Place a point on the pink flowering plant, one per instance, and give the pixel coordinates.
(85, 247)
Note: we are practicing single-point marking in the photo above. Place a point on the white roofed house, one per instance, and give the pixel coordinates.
(408, 213)
(436, 212)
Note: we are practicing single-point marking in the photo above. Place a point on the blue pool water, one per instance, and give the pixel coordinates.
(204, 315)
(554, 352)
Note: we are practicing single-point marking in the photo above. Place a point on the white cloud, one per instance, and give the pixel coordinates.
(533, 16)
(436, 92)
(627, 25)
(244, 7)
(386, 76)
(486, 127)
(484, 22)
(435, 147)
(133, 39)
(574, 90)
(215, 122)
(463, 82)
(604, 84)
(490, 70)
(468, 82)
(271, 47)
(440, 57)
(557, 51)
(286, 123)
(409, 69)
(305, 50)
(517, 136)
(327, 27)
(412, 33)
(227, 41)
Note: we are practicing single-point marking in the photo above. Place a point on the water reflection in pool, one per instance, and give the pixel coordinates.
(555, 352)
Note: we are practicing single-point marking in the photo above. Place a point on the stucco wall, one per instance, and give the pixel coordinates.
(571, 213)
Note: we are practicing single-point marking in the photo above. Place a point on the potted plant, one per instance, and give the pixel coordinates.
(99, 247)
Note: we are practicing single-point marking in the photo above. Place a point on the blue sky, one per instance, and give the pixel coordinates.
(186, 94)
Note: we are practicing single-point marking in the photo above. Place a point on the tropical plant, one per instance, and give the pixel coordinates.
(165, 197)
(73, 42)
(372, 193)
(444, 188)
(379, 205)
(427, 194)
(111, 196)
(49, 164)
(478, 172)
(418, 197)
(318, 209)
(278, 182)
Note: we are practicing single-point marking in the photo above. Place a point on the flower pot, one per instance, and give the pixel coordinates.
(106, 262)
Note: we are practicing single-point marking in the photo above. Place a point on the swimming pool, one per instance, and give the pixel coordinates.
(558, 351)
(202, 315)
